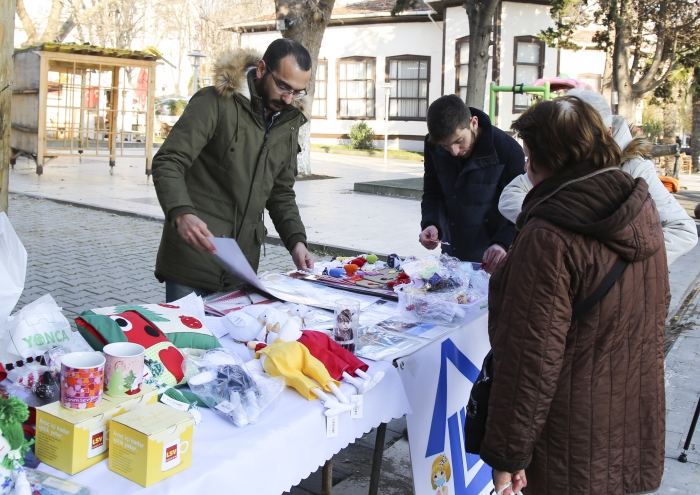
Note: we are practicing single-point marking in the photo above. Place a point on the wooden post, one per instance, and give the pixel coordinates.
(150, 117)
(41, 124)
(113, 117)
(7, 39)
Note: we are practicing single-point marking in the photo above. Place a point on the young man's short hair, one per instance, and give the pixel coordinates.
(446, 115)
(284, 47)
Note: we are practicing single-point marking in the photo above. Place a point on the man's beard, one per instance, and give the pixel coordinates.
(468, 153)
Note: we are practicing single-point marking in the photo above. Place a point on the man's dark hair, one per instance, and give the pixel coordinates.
(284, 47)
(446, 115)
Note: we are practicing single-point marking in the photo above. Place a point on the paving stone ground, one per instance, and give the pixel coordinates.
(87, 258)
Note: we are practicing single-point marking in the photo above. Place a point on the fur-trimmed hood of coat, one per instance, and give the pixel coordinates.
(230, 75)
(631, 146)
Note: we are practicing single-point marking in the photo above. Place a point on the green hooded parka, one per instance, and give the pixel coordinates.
(221, 164)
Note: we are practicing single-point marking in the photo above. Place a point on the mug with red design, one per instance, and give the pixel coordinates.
(82, 377)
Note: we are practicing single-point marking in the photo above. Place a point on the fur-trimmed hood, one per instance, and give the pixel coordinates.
(632, 147)
(230, 75)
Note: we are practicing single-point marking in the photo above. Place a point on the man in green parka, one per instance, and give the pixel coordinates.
(231, 155)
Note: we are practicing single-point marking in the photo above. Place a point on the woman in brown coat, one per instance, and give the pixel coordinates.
(578, 408)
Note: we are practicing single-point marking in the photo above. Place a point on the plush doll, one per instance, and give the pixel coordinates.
(13, 412)
(301, 371)
(338, 361)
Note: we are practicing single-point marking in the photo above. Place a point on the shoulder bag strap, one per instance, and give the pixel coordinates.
(601, 290)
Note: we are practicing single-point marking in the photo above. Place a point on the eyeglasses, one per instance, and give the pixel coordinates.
(281, 90)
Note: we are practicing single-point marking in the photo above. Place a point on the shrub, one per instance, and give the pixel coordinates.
(362, 136)
(176, 107)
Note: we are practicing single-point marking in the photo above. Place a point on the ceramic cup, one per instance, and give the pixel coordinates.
(82, 375)
(346, 323)
(172, 451)
(124, 368)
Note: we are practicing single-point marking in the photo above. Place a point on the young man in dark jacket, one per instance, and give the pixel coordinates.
(231, 155)
(468, 162)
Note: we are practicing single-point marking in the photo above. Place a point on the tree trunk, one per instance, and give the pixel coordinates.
(627, 99)
(7, 38)
(52, 23)
(480, 16)
(308, 23)
(670, 110)
(608, 74)
(695, 140)
(26, 21)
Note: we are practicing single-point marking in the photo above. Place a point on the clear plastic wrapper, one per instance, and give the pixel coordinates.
(41, 380)
(442, 290)
(46, 484)
(224, 383)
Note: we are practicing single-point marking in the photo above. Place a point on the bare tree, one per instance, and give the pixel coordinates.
(54, 29)
(644, 38)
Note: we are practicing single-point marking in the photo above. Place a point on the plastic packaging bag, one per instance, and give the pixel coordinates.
(224, 383)
(46, 484)
(34, 329)
(13, 268)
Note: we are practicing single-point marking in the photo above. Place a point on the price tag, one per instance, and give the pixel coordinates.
(331, 426)
(358, 406)
(225, 407)
(180, 406)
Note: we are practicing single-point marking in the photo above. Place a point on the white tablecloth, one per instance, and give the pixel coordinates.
(284, 447)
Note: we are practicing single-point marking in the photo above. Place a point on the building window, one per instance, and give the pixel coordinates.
(409, 76)
(318, 108)
(356, 82)
(461, 66)
(593, 80)
(528, 59)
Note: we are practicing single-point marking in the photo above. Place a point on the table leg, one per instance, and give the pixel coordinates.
(327, 477)
(377, 460)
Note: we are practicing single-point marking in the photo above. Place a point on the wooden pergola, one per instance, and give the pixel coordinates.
(70, 99)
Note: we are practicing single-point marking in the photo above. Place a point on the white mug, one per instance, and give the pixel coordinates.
(172, 452)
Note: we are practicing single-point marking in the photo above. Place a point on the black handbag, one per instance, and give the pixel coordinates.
(477, 407)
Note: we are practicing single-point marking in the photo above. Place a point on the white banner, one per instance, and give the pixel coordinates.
(437, 380)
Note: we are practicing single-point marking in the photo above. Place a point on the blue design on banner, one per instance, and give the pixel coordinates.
(454, 426)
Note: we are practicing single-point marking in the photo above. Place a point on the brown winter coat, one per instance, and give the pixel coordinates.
(581, 407)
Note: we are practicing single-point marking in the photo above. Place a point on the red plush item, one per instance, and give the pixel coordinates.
(335, 358)
(402, 278)
(359, 262)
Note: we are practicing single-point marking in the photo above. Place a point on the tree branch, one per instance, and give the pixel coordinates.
(658, 55)
(27, 23)
(639, 87)
(51, 30)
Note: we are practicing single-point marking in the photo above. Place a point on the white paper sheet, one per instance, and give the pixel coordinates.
(230, 256)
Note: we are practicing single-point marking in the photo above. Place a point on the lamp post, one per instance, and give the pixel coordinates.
(387, 93)
(196, 56)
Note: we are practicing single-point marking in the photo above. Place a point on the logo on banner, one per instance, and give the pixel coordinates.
(469, 473)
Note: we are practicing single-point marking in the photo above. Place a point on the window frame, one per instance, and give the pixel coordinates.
(337, 78)
(592, 75)
(387, 80)
(540, 65)
(321, 61)
(458, 66)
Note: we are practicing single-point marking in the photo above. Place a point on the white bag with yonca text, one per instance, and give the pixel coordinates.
(13, 267)
(35, 329)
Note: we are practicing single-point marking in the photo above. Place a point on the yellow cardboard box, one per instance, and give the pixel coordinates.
(147, 396)
(70, 439)
(150, 443)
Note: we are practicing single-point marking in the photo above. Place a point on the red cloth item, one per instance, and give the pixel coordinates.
(335, 358)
